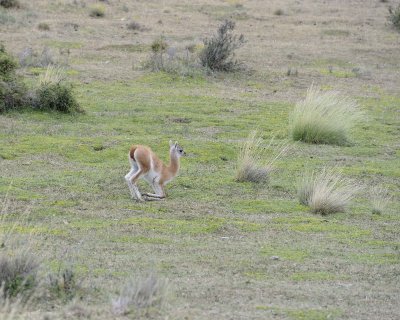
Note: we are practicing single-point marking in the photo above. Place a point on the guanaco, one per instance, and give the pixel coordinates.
(145, 164)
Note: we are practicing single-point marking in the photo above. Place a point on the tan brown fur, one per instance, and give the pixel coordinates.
(145, 163)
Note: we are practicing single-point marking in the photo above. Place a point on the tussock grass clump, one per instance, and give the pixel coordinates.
(17, 273)
(254, 163)
(379, 200)
(97, 11)
(323, 118)
(142, 293)
(326, 191)
(218, 53)
(394, 17)
(10, 3)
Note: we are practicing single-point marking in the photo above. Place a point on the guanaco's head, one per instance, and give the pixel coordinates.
(176, 149)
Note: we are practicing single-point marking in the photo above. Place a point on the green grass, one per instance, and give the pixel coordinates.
(212, 236)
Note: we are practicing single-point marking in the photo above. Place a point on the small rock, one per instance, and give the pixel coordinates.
(274, 258)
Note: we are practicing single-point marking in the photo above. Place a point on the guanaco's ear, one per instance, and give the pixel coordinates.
(170, 143)
(176, 143)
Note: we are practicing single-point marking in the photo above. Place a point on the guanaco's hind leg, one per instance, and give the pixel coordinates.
(131, 179)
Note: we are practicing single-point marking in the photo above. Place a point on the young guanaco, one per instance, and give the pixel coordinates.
(145, 164)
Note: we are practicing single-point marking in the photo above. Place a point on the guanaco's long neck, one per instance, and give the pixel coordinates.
(173, 166)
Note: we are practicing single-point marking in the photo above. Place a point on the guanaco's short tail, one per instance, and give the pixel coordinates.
(132, 152)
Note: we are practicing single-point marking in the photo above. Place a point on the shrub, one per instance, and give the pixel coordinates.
(12, 95)
(12, 89)
(323, 118)
(218, 53)
(63, 284)
(394, 16)
(134, 26)
(141, 293)
(56, 97)
(53, 93)
(43, 26)
(326, 191)
(17, 273)
(279, 12)
(8, 65)
(9, 3)
(254, 164)
(97, 11)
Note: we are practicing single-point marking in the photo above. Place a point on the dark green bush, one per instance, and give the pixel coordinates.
(12, 89)
(57, 97)
(12, 95)
(8, 65)
(9, 3)
(219, 51)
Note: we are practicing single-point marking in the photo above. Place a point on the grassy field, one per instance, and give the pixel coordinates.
(229, 250)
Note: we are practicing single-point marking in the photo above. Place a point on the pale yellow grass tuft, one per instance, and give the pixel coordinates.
(326, 191)
(255, 163)
(53, 75)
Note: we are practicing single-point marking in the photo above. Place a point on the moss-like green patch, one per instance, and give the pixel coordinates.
(139, 239)
(285, 253)
(335, 229)
(304, 314)
(338, 73)
(176, 226)
(127, 47)
(336, 32)
(376, 258)
(63, 44)
(267, 206)
(313, 276)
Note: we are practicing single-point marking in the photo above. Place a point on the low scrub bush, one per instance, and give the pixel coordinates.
(43, 26)
(326, 191)
(97, 11)
(255, 163)
(56, 97)
(12, 89)
(54, 93)
(394, 17)
(17, 273)
(141, 293)
(218, 53)
(173, 61)
(63, 284)
(9, 3)
(323, 118)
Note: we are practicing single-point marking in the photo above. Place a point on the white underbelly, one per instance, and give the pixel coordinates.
(150, 177)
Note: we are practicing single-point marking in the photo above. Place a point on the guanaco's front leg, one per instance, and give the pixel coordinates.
(159, 192)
